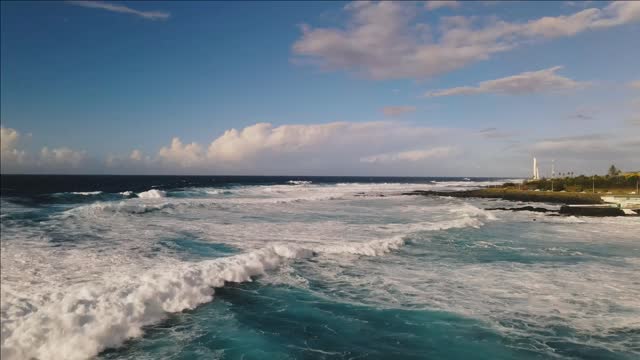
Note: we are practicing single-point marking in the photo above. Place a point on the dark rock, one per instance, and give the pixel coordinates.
(591, 211)
(525, 208)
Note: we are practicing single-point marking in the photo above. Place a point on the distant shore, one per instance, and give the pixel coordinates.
(570, 198)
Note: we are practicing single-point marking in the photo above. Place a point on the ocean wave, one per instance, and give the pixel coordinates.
(152, 194)
(126, 207)
(299, 182)
(77, 193)
(87, 319)
(86, 193)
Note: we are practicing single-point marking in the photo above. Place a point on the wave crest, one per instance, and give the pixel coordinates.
(152, 194)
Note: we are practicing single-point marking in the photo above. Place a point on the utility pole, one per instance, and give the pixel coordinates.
(593, 184)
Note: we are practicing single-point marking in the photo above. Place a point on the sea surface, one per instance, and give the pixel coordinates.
(174, 267)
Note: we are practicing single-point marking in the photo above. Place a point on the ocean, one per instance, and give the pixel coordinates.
(223, 267)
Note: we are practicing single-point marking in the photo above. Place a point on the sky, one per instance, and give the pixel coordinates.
(431, 88)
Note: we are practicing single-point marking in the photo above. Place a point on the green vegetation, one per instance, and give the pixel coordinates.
(615, 182)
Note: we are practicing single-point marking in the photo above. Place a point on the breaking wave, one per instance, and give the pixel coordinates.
(152, 194)
(86, 319)
(299, 182)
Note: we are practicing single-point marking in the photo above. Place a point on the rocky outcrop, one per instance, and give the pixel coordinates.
(591, 211)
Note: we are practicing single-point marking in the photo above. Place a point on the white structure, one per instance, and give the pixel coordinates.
(536, 172)
(623, 201)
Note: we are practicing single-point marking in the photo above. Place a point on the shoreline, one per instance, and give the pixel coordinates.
(579, 204)
(567, 198)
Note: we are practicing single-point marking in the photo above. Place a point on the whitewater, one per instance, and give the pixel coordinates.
(186, 268)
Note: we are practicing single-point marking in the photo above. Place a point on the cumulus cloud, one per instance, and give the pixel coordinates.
(61, 156)
(150, 15)
(268, 149)
(9, 154)
(383, 41)
(136, 155)
(397, 110)
(411, 155)
(16, 159)
(432, 5)
(265, 139)
(181, 154)
(525, 83)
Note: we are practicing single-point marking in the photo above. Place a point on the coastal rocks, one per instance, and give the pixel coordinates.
(573, 204)
(515, 195)
(599, 211)
(526, 208)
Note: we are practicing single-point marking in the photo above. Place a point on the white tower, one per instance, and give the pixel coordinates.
(536, 173)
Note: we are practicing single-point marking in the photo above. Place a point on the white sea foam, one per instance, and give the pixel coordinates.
(86, 193)
(126, 193)
(152, 194)
(73, 299)
(126, 207)
(86, 319)
(114, 298)
(299, 182)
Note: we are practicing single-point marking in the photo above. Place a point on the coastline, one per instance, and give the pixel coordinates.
(567, 198)
(577, 204)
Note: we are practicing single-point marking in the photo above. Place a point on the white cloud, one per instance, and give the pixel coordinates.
(10, 156)
(266, 140)
(525, 83)
(397, 110)
(263, 148)
(15, 159)
(382, 40)
(411, 155)
(136, 155)
(182, 155)
(150, 15)
(61, 157)
(432, 5)
(8, 139)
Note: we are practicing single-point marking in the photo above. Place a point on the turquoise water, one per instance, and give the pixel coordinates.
(320, 270)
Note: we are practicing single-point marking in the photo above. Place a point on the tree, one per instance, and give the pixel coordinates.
(613, 171)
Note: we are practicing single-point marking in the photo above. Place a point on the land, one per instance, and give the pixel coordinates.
(568, 191)
(507, 193)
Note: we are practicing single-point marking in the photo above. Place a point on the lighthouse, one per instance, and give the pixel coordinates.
(536, 173)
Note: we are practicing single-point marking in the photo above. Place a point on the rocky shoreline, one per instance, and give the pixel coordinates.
(564, 198)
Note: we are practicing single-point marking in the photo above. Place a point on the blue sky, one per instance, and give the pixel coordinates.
(104, 87)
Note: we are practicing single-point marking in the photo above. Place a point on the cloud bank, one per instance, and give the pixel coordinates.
(383, 40)
(15, 159)
(339, 148)
(525, 83)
